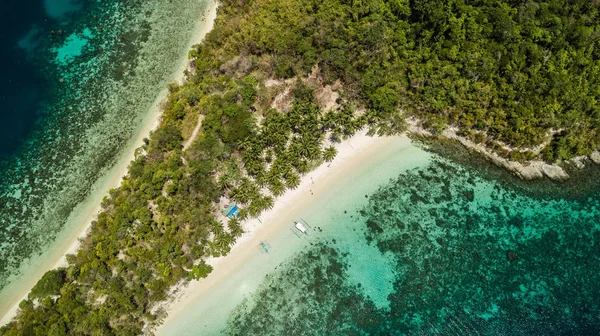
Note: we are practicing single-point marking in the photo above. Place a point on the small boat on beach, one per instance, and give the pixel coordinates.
(264, 246)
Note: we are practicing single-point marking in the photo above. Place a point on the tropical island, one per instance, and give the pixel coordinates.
(274, 87)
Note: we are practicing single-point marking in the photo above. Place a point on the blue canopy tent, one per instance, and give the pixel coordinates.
(231, 210)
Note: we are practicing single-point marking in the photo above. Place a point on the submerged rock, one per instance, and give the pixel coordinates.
(511, 256)
(470, 195)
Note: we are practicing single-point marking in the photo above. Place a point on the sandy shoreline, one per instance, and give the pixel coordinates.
(201, 30)
(87, 211)
(351, 153)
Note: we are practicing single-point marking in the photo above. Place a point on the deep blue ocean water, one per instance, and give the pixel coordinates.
(24, 26)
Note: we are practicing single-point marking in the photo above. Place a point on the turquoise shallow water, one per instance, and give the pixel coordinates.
(442, 249)
(205, 312)
(101, 65)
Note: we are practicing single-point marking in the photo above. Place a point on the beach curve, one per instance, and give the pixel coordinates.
(354, 154)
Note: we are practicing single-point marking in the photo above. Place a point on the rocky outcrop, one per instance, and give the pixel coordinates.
(554, 172)
(284, 100)
(528, 171)
(578, 162)
(326, 95)
(595, 156)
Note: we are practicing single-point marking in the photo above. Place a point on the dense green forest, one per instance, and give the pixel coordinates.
(519, 73)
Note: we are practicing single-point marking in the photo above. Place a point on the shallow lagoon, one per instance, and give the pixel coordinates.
(440, 249)
(469, 256)
(206, 313)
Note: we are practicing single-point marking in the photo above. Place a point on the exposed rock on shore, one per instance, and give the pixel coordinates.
(595, 156)
(528, 171)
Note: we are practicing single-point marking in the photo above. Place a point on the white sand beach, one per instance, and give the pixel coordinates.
(87, 210)
(356, 157)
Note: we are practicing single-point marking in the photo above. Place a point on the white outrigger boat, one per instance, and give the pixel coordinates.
(300, 227)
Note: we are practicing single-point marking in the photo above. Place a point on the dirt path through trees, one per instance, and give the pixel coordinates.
(194, 133)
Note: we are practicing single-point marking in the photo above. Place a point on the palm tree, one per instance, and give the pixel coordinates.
(239, 195)
(314, 148)
(224, 182)
(245, 192)
(243, 214)
(292, 180)
(303, 166)
(253, 161)
(255, 208)
(235, 228)
(254, 165)
(216, 227)
(224, 240)
(261, 178)
(268, 202)
(283, 164)
(335, 136)
(305, 147)
(269, 155)
(245, 144)
(329, 153)
(213, 249)
(276, 186)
